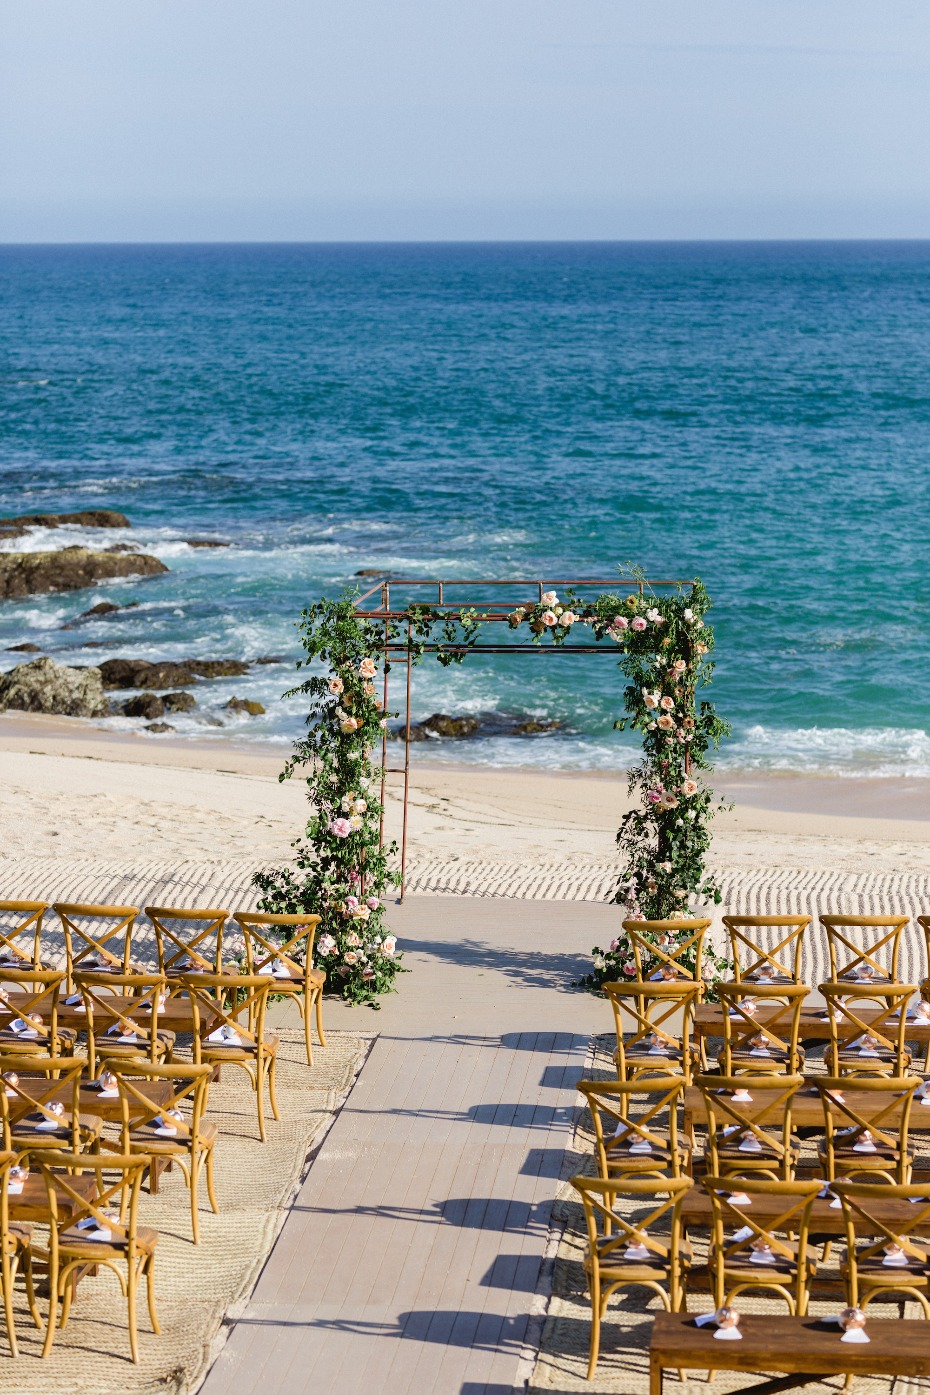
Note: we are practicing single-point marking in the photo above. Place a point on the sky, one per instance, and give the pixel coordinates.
(271, 120)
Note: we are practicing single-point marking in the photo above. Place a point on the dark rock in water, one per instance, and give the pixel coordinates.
(441, 726)
(37, 573)
(236, 704)
(179, 702)
(147, 705)
(44, 686)
(90, 518)
(270, 659)
(24, 649)
(140, 673)
(206, 542)
(101, 608)
(373, 571)
(214, 722)
(98, 643)
(160, 726)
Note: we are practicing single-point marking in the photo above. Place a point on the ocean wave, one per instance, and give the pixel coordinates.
(868, 752)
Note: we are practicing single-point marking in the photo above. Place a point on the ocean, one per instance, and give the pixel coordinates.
(755, 414)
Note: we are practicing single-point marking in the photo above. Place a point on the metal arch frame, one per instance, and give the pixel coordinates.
(490, 612)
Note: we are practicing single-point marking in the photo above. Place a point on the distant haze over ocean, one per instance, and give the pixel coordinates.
(757, 414)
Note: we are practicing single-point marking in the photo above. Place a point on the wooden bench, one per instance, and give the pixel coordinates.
(804, 1347)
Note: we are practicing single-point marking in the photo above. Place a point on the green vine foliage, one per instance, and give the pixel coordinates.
(340, 872)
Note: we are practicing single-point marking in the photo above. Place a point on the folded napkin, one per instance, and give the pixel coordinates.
(91, 1230)
(744, 1233)
(750, 1145)
(225, 1036)
(760, 1051)
(705, 1319)
(896, 1260)
(50, 1125)
(121, 1034)
(855, 1334)
(75, 1000)
(15, 1186)
(864, 1148)
(108, 1094)
(642, 1145)
(21, 1029)
(638, 1252)
(728, 1334)
(765, 1256)
(165, 1129)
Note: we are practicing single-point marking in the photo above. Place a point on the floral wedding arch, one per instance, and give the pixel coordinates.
(342, 868)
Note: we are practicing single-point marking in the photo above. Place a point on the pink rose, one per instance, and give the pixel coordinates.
(568, 617)
(340, 828)
(655, 796)
(614, 945)
(621, 622)
(368, 974)
(629, 969)
(549, 618)
(351, 903)
(372, 903)
(638, 623)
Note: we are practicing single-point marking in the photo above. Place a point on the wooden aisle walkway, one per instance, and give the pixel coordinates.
(410, 1261)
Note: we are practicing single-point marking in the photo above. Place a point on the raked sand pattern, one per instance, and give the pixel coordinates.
(748, 891)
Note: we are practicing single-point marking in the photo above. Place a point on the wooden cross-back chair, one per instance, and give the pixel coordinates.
(145, 1126)
(752, 961)
(229, 1029)
(662, 1017)
(15, 1252)
(749, 1125)
(26, 930)
(188, 940)
(97, 1233)
(122, 1016)
(783, 1261)
(893, 1263)
(30, 1089)
(290, 963)
(868, 1028)
(867, 1121)
(87, 950)
(660, 952)
(647, 1145)
(857, 962)
(29, 997)
(630, 1252)
(769, 1041)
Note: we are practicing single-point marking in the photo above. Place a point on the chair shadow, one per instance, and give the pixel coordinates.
(526, 968)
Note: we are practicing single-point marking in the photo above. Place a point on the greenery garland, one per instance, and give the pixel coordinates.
(342, 873)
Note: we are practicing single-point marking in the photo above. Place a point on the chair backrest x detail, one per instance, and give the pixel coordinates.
(781, 962)
(866, 1211)
(742, 1108)
(864, 947)
(28, 1087)
(291, 956)
(653, 1024)
(121, 1008)
(868, 1027)
(20, 924)
(668, 949)
(188, 940)
(875, 1106)
(30, 996)
(96, 937)
(220, 1002)
(654, 1130)
(771, 1033)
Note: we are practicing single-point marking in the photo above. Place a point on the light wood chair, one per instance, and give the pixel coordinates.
(94, 1233)
(289, 964)
(765, 1043)
(188, 940)
(145, 1125)
(662, 1018)
(122, 1017)
(868, 1028)
(749, 1125)
(668, 950)
(630, 1253)
(781, 963)
(867, 1122)
(775, 1256)
(91, 947)
(229, 1030)
(857, 963)
(40, 1104)
(15, 1253)
(647, 1145)
(27, 917)
(30, 997)
(893, 1263)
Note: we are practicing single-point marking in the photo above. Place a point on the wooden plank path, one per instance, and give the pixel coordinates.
(411, 1259)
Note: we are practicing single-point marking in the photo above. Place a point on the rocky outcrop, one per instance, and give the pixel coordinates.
(442, 726)
(140, 673)
(160, 727)
(24, 649)
(37, 573)
(44, 686)
(89, 518)
(179, 702)
(237, 704)
(148, 705)
(206, 542)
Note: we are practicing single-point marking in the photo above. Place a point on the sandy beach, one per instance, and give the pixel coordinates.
(73, 791)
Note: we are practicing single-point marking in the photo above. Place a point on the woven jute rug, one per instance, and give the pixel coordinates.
(197, 1285)
(623, 1368)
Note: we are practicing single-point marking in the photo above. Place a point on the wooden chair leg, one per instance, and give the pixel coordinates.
(319, 1019)
(195, 1220)
(7, 1271)
(31, 1290)
(210, 1192)
(272, 1067)
(595, 1325)
(260, 1097)
(131, 1306)
(308, 1040)
(150, 1286)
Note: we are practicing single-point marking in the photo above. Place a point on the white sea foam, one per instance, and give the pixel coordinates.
(872, 751)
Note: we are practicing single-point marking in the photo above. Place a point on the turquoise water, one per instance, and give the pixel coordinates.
(758, 414)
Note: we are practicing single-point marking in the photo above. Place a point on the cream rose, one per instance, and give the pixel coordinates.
(549, 598)
(367, 668)
(336, 686)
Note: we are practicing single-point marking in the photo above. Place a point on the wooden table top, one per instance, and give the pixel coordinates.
(897, 1346)
(806, 1108)
(31, 1204)
(825, 1219)
(815, 1025)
